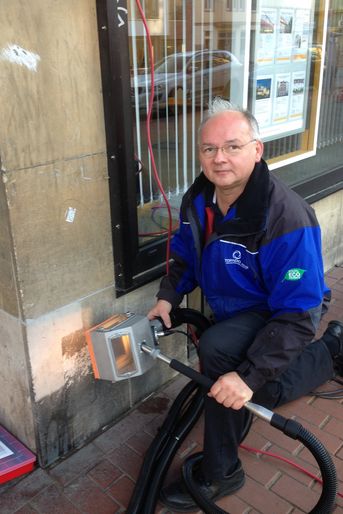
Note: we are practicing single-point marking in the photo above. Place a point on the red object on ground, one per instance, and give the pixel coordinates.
(15, 458)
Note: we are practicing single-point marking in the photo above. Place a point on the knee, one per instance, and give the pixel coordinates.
(208, 344)
(215, 355)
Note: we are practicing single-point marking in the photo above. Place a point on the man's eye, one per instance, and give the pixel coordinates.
(232, 148)
(208, 149)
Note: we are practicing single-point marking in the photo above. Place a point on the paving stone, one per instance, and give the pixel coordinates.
(332, 407)
(290, 470)
(104, 473)
(26, 510)
(89, 498)
(77, 464)
(296, 493)
(122, 490)
(334, 426)
(127, 460)
(123, 430)
(262, 470)
(140, 442)
(24, 490)
(53, 501)
(275, 436)
(305, 411)
(262, 499)
(233, 505)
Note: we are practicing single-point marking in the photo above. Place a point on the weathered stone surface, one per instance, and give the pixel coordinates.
(16, 403)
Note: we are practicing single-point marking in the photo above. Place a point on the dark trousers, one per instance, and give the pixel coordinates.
(222, 348)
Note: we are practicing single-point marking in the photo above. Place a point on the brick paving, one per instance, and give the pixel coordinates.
(99, 478)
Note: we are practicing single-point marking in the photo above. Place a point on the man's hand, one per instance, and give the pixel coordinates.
(161, 310)
(231, 391)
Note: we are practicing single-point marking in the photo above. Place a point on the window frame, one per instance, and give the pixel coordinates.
(133, 265)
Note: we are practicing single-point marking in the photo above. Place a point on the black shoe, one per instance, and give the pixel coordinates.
(335, 329)
(176, 496)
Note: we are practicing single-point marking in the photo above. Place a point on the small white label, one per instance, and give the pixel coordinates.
(70, 214)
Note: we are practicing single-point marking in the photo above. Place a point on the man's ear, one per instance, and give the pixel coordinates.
(259, 150)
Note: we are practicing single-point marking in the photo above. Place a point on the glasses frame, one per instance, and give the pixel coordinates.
(213, 150)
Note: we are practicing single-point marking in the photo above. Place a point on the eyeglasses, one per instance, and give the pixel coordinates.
(228, 149)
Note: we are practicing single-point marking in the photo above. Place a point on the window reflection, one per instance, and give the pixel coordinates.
(198, 53)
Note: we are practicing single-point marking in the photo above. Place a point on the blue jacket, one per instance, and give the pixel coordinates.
(265, 256)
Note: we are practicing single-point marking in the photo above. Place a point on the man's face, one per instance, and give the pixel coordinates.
(229, 170)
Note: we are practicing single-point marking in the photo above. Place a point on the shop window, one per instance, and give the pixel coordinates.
(270, 59)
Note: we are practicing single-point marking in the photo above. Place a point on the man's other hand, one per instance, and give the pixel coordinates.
(161, 310)
(231, 391)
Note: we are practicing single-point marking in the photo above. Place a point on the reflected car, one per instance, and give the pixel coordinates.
(189, 75)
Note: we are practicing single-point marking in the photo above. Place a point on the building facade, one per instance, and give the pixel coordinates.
(83, 225)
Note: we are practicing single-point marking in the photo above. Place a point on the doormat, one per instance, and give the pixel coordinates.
(15, 458)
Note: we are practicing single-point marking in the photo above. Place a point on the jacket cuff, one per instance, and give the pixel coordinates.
(170, 296)
(251, 376)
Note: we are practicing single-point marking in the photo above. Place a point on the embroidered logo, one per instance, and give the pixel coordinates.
(236, 259)
(294, 274)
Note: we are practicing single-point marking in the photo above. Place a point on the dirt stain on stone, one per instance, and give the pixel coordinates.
(155, 405)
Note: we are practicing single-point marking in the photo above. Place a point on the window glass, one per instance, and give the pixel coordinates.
(274, 66)
(329, 151)
(195, 58)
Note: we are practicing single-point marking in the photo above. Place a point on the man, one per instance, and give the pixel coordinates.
(254, 248)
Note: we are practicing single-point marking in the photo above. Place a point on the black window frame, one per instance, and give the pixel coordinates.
(134, 266)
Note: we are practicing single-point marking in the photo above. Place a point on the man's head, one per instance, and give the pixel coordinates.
(229, 145)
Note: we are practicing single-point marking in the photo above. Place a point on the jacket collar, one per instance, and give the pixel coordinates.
(251, 206)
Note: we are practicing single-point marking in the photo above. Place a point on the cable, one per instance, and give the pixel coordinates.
(164, 230)
(334, 394)
(284, 459)
(148, 129)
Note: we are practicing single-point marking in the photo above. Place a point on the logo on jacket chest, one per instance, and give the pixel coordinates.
(236, 259)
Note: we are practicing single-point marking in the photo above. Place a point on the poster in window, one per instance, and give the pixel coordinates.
(281, 76)
(297, 95)
(301, 34)
(267, 36)
(281, 100)
(263, 100)
(285, 36)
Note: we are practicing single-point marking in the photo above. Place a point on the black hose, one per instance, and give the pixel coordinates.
(190, 316)
(295, 430)
(208, 506)
(156, 449)
(327, 499)
(181, 431)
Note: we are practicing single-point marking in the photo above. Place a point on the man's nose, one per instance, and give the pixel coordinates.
(220, 156)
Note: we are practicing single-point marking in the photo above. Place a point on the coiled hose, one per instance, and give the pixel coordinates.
(326, 502)
(180, 420)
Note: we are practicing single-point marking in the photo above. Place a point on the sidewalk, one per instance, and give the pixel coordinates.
(99, 478)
